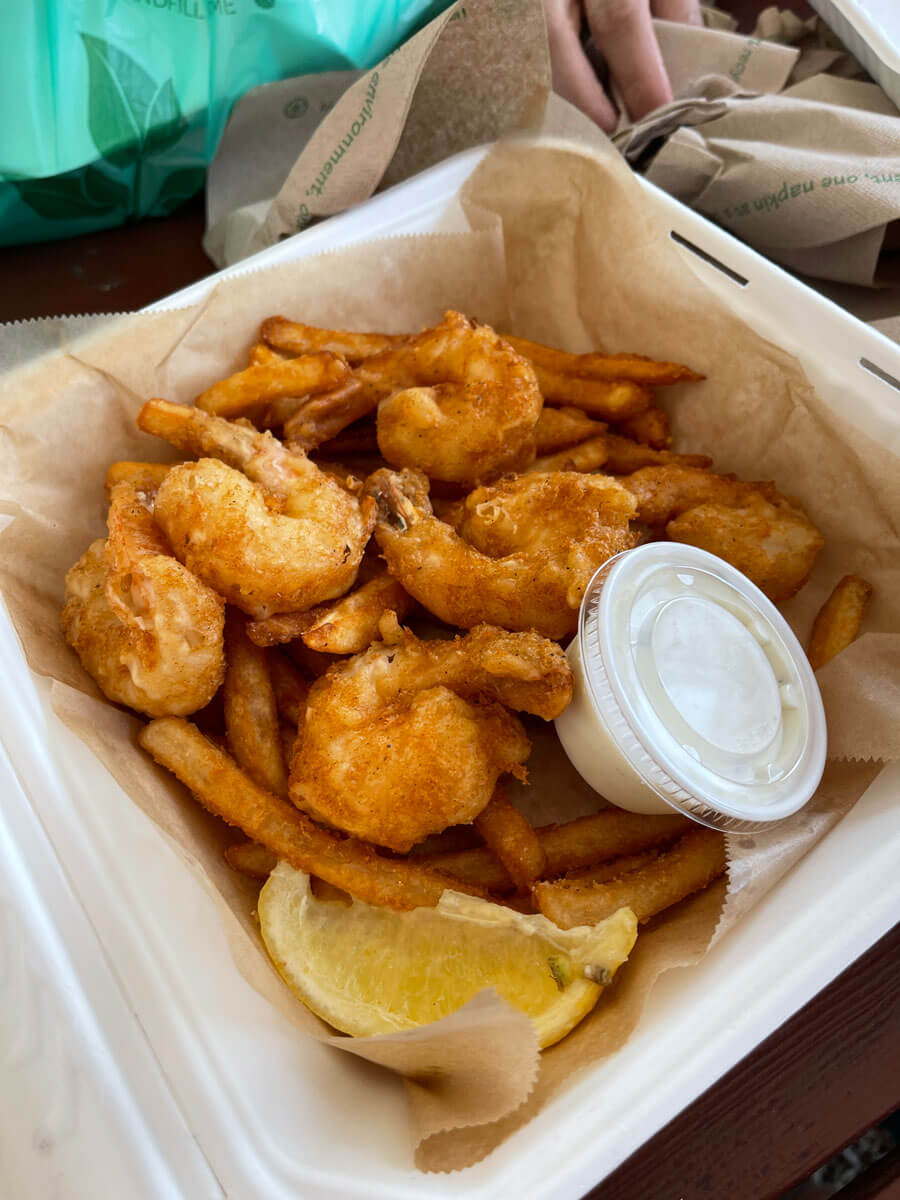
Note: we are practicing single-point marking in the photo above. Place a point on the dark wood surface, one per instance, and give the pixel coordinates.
(812, 1087)
(826, 1076)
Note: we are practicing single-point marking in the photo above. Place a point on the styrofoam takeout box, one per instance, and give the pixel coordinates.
(140, 1062)
(870, 29)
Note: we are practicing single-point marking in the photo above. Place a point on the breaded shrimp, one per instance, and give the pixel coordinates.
(750, 525)
(525, 551)
(462, 404)
(146, 630)
(664, 492)
(402, 741)
(772, 541)
(269, 530)
(455, 401)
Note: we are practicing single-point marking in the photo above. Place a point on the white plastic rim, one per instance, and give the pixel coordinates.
(707, 791)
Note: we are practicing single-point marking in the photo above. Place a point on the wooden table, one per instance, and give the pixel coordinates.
(823, 1078)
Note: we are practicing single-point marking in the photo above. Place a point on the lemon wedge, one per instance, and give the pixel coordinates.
(368, 970)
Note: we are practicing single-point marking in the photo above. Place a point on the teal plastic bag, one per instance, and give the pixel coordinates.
(114, 108)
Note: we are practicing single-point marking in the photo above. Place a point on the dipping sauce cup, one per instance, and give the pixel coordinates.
(691, 693)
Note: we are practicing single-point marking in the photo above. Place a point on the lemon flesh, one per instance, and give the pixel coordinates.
(368, 970)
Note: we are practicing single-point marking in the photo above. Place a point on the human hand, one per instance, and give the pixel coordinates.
(623, 33)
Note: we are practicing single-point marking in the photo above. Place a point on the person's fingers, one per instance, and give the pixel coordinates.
(623, 33)
(573, 76)
(686, 11)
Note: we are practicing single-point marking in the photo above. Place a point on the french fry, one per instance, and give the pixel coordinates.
(690, 865)
(288, 742)
(289, 687)
(512, 839)
(613, 869)
(263, 355)
(292, 337)
(349, 625)
(616, 455)
(253, 389)
(312, 661)
(580, 843)
(634, 367)
(590, 455)
(839, 620)
(275, 631)
(625, 456)
(251, 859)
(146, 477)
(320, 419)
(223, 788)
(612, 400)
(251, 715)
(650, 428)
(455, 837)
(359, 438)
(561, 427)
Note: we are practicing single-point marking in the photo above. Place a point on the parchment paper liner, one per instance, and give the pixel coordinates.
(568, 249)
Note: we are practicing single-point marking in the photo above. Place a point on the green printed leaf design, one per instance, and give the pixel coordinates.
(82, 193)
(165, 120)
(124, 105)
(177, 188)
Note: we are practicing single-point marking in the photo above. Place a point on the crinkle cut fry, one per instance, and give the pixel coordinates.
(580, 843)
(694, 862)
(633, 367)
(512, 838)
(839, 620)
(346, 863)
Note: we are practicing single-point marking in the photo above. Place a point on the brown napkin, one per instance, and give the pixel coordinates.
(477, 71)
(805, 166)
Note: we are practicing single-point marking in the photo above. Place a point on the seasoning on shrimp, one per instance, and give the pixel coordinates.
(524, 552)
(404, 740)
(147, 631)
(263, 526)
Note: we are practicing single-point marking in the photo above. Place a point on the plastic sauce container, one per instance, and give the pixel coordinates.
(692, 693)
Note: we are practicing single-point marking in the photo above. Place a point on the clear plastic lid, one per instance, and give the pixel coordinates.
(703, 686)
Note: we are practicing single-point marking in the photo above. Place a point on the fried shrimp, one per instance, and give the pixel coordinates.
(144, 627)
(664, 492)
(518, 554)
(773, 542)
(367, 759)
(750, 525)
(462, 404)
(264, 527)
(455, 401)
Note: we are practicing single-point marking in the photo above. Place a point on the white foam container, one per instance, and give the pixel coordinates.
(870, 29)
(134, 1059)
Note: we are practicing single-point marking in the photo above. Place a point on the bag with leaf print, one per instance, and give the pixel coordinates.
(113, 108)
